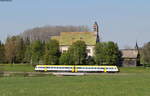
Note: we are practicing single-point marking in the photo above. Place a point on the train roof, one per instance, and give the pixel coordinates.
(79, 65)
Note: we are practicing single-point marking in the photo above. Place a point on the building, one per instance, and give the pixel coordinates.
(130, 57)
(90, 38)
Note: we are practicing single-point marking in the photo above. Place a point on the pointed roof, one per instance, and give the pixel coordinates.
(136, 46)
(129, 53)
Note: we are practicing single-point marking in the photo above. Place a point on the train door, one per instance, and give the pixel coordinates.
(74, 69)
(105, 69)
(45, 69)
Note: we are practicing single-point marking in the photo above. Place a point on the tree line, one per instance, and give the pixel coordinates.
(35, 47)
(17, 50)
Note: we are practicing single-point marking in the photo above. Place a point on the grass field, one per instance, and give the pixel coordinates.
(114, 85)
(17, 67)
(135, 82)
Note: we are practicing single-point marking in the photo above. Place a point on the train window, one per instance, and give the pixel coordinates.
(68, 67)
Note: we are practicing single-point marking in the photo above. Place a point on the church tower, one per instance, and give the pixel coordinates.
(96, 31)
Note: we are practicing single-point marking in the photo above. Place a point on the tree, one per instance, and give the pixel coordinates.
(107, 53)
(28, 51)
(146, 54)
(20, 47)
(36, 52)
(45, 32)
(66, 58)
(2, 53)
(78, 52)
(90, 61)
(112, 52)
(14, 49)
(100, 52)
(52, 52)
(10, 49)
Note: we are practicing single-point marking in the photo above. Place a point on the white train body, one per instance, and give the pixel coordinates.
(77, 68)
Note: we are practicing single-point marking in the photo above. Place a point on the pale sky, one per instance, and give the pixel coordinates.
(121, 21)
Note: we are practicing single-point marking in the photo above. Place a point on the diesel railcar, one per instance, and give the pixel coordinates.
(76, 68)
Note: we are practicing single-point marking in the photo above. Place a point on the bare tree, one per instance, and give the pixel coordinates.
(44, 33)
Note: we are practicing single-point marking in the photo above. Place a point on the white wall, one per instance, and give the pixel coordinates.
(91, 48)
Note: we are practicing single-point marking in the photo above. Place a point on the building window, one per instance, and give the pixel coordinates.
(88, 51)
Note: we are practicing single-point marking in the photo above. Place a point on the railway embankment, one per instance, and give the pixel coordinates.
(42, 74)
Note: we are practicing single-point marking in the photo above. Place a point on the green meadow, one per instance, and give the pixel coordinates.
(129, 82)
(17, 67)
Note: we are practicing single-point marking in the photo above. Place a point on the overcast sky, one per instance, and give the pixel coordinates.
(121, 21)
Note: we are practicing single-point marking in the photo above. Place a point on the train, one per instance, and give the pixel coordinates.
(76, 68)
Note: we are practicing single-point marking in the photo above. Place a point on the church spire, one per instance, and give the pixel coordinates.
(96, 31)
(136, 46)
